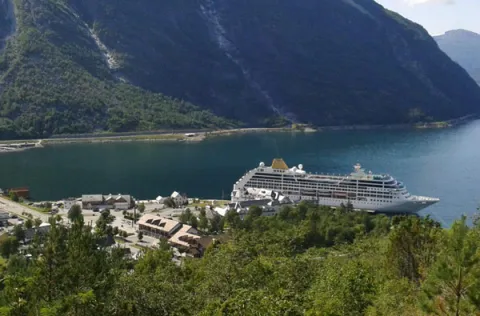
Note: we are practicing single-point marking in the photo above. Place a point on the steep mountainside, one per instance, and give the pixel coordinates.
(55, 77)
(326, 62)
(463, 47)
(85, 65)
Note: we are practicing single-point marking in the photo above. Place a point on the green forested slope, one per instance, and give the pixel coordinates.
(304, 261)
(54, 79)
(327, 62)
(72, 66)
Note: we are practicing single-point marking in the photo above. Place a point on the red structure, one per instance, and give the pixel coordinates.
(21, 192)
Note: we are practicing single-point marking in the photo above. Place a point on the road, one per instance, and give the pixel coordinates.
(18, 209)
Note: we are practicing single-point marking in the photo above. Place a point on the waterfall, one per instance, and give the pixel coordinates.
(108, 56)
(219, 34)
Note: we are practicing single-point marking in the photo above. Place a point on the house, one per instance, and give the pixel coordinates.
(188, 241)
(4, 217)
(184, 237)
(69, 203)
(91, 201)
(119, 202)
(179, 199)
(41, 230)
(158, 227)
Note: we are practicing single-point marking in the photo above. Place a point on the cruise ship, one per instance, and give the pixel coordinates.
(365, 191)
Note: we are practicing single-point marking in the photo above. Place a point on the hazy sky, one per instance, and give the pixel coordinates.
(438, 16)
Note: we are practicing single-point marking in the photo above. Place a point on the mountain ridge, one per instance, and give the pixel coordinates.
(85, 66)
(463, 46)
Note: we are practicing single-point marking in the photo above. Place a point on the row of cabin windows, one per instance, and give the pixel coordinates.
(279, 184)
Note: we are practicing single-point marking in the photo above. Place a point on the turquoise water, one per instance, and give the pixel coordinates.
(440, 163)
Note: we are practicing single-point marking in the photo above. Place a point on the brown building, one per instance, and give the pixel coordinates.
(158, 227)
(20, 192)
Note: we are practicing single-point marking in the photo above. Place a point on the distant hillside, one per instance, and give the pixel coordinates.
(71, 66)
(463, 47)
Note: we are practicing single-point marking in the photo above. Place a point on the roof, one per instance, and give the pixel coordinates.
(152, 220)
(278, 163)
(263, 202)
(92, 198)
(186, 236)
(175, 194)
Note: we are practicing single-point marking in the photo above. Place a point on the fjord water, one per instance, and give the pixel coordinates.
(440, 163)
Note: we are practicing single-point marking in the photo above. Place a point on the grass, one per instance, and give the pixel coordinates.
(205, 203)
(120, 240)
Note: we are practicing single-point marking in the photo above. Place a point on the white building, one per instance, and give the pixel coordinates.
(68, 204)
(179, 199)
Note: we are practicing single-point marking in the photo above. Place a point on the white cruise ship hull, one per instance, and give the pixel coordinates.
(413, 205)
(365, 191)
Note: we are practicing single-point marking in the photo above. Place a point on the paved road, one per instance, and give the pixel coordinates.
(18, 209)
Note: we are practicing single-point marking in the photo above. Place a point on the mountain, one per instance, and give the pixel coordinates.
(463, 47)
(72, 66)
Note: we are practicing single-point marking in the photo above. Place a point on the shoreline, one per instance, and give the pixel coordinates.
(195, 136)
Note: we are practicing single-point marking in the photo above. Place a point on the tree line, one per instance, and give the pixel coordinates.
(304, 260)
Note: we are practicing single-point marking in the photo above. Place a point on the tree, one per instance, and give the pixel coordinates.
(413, 246)
(58, 218)
(169, 202)
(115, 231)
(8, 246)
(19, 232)
(452, 286)
(13, 196)
(216, 223)
(232, 219)
(186, 216)
(75, 213)
(37, 222)
(194, 221)
(203, 221)
(28, 223)
(48, 207)
(254, 212)
(141, 207)
(140, 235)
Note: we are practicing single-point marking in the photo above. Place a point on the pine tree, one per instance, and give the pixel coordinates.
(453, 283)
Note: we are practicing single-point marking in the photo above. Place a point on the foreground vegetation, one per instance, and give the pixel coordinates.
(306, 260)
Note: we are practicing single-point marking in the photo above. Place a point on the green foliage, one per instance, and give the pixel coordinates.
(307, 260)
(8, 246)
(413, 247)
(28, 223)
(55, 80)
(169, 202)
(141, 207)
(13, 196)
(453, 284)
(75, 213)
(19, 232)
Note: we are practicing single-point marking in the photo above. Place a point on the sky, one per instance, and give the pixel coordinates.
(439, 16)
